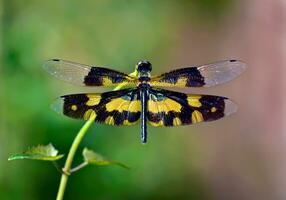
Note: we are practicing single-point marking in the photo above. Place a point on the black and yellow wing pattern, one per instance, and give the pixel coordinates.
(164, 107)
(85, 75)
(170, 108)
(200, 76)
(121, 107)
(145, 101)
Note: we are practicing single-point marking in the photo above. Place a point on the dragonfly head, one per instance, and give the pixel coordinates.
(144, 68)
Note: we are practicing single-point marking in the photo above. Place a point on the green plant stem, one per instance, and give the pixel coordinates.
(67, 168)
(70, 157)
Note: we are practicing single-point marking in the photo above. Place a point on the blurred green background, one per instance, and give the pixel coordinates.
(239, 157)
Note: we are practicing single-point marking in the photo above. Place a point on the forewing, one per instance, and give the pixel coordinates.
(200, 76)
(80, 74)
(120, 107)
(169, 108)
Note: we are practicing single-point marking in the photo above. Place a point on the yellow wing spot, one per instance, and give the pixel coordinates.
(194, 101)
(121, 105)
(213, 109)
(181, 81)
(93, 99)
(161, 84)
(126, 122)
(88, 114)
(74, 107)
(165, 105)
(106, 81)
(160, 123)
(109, 120)
(177, 121)
(197, 116)
(134, 106)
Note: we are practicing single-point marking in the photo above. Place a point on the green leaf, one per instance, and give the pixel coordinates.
(40, 152)
(94, 158)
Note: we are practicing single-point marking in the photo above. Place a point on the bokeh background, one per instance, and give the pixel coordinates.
(239, 157)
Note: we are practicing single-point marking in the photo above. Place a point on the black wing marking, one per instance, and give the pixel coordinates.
(80, 74)
(200, 76)
(169, 108)
(122, 107)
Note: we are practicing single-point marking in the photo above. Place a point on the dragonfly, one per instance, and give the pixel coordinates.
(143, 98)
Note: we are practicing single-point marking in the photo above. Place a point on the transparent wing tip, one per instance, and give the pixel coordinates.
(49, 64)
(222, 71)
(230, 107)
(239, 65)
(58, 105)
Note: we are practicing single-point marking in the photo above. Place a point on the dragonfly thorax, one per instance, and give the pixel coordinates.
(144, 68)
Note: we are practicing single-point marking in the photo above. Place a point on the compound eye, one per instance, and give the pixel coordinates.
(144, 66)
